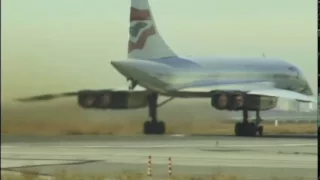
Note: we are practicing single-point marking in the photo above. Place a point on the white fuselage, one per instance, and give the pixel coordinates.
(162, 74)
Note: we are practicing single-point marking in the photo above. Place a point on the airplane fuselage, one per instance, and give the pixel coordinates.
(162, 74)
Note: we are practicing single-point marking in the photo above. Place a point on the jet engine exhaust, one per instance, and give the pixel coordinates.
(223, 101)
(239, 101)
(105, 100)
(87, 101)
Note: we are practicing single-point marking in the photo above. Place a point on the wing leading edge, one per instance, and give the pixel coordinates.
(263, 88)
(284, 94)
(48, 97)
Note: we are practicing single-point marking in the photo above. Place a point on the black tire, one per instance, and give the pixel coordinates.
(161, 127)
(238, 129)
(260, 130)
(154, 127)
(147, 129)
(247, 130)
(251, 129)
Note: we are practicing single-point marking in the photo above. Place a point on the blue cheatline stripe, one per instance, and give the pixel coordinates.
(205, 83)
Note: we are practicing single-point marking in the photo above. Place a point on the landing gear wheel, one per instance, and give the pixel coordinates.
(260, 130)
(251, 129)
(161, 127)
(154, 127)
(147, 127)
(238, 129)
(258, 124)
(245, 129)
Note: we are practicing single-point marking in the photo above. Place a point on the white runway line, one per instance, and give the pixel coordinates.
(166, 146)
(187, 153)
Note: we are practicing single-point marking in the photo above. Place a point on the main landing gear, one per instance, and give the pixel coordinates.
(153, 126)
(246, 128)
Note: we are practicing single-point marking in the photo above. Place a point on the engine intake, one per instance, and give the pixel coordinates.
(112, 99)
(234, 101)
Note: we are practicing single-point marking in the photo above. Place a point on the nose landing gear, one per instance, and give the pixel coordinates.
(153, 126)
(132, 84)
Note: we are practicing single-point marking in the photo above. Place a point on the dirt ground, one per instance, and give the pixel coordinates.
(57, 119)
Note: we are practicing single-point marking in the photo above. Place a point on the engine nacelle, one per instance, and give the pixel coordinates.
(233, 101)
(256, 102)
(112, 99)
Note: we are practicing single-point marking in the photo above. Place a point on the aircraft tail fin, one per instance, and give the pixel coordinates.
(145, 42)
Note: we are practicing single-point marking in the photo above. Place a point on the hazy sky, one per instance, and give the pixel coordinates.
(63, 45)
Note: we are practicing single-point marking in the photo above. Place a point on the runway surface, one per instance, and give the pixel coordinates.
(254, 158)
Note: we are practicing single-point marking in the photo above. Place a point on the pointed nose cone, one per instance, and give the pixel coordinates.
(116, 64)
(126, 68)
(120, 65)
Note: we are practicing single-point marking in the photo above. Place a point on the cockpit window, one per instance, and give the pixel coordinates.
(291, 68)
(295, 71)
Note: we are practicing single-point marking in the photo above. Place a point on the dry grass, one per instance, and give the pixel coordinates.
(67, 119)
(63, 175)
(134, 128)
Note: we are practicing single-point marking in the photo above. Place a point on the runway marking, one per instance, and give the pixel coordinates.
(187, 154)
(6, 165)
(268, 145)
(178, 135)
(162, 146)
(20, 163)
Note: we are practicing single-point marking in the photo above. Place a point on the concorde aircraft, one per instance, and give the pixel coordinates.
(154, 69)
